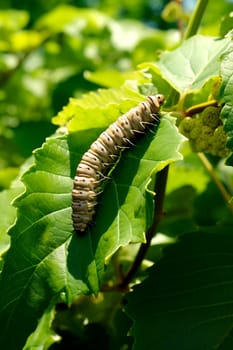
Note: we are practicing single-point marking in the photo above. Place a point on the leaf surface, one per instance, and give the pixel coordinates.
(8, 215)
(46, 258)
(226, 93)
(98, 108)
(186, 302)
(192, 64)
(36, 267)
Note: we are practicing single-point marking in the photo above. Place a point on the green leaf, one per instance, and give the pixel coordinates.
(99, 108)
(186, 302)
(192, 64)
(121, 215)
(7, 175)
(8, 212)
(187, 180)
(187, 172)
(44, 336)
(127, 33)
(8, 215)
(226, 24)
(36, 266)
(74, 19)
(46, 258)
(13, 20)
(26, 40)
(112, 78)
(226, 94)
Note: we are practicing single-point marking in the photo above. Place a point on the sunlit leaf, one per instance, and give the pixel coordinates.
(25, 40)
(112, 78)
(34, 269)
(98, 108)
(13, 19)
(192, 64)
(226, 24)
(7, 175)
(78, 18)
(127, 33)
(7, 215)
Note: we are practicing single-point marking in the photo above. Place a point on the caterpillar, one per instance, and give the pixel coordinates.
(104, 152)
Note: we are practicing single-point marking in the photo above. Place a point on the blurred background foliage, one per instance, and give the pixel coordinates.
(50, 49)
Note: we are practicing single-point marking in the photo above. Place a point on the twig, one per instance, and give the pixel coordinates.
(226, 196)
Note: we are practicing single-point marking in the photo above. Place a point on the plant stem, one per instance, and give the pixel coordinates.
(196, 18)
(159, 189)
(191, 30)
(200, 107)
(226, 196)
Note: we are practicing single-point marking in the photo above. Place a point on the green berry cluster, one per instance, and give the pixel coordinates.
(205, 132)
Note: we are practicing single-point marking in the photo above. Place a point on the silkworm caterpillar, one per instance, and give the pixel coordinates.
(104, 152)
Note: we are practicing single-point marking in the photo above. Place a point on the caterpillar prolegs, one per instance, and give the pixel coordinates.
(104, 152)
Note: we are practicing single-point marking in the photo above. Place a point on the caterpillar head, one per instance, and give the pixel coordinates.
(156, 101)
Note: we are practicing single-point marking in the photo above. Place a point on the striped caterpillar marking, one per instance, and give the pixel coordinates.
(103, 153)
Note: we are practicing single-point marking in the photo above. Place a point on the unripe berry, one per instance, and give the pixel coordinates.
(197, 129)
(205, 132)
(200, 144)
(186, 125)
(210, 117)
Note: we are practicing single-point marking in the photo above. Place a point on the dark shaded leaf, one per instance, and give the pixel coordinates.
(186, 302)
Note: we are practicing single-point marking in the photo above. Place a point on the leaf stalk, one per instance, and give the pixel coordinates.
(196, 18)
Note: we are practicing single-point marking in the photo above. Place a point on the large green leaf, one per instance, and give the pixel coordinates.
(112, 78)
(35, 268)
(192, 64)
(121, 216)
(46, 258)
(187, 300)
(98, 108)
(227, 96)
